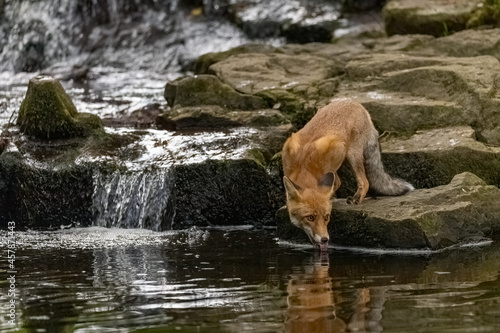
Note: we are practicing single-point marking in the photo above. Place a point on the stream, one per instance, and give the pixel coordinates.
(241, 280)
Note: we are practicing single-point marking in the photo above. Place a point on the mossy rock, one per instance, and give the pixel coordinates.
(209, 90)
(47, 112)
(430, 17)
(293, 106)
(487, 14)
(202, 64)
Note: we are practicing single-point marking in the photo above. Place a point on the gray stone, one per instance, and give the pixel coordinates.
(209, 90)
(431, 17)
(433, 157)
(255, 72)
(405, 93)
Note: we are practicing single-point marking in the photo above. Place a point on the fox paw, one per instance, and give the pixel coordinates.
(352, 200)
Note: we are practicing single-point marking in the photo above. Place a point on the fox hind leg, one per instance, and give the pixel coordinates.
(357, 164)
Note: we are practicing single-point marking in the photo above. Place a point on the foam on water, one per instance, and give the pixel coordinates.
(99, 237)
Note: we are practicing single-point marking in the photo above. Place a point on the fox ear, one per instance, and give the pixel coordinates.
(292, 189)
(329, 180)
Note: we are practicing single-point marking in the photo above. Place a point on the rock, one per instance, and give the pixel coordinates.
(361, 5)
(466, 43)
(47, 112)
(223, 193)
(433, 157)
(203, 63)
(295, 107)
(406, 93)
(431, 17)
(209, 90)
(291, 84)
(214, 116)
(204, 101)
(142, 118)
(44, 198)
(462, 211)
(255, 72)
(298, 21)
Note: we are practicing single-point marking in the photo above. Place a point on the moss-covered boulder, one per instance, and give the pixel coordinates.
(47, 112)
(464, 210)
(209, 90)
(431, 17)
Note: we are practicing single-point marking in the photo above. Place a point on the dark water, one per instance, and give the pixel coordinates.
(117, 280)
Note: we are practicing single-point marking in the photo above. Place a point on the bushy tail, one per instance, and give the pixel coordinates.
(379, 180)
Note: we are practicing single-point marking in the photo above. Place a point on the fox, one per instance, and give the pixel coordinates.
(338, 132)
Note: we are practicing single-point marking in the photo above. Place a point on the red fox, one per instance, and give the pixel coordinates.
(342, 130)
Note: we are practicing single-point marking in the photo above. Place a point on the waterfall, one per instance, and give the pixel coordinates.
(155, 34)
(134, 199)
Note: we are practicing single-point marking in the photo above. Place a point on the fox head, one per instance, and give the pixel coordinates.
(309, 208)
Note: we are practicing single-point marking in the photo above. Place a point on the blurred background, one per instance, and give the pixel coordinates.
(163, 35)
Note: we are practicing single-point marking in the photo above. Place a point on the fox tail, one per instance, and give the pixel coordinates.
(381, 182)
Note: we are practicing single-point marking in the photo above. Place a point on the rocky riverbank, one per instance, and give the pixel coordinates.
(433, 95)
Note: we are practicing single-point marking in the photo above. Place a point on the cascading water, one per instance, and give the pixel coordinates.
(133, 199)
(159, 35)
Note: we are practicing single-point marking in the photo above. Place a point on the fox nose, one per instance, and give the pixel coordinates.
(324, 240)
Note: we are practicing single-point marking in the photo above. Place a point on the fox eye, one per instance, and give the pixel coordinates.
(327, 217)
(310, 218)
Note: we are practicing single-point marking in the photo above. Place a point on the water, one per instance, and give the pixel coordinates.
(236, 280)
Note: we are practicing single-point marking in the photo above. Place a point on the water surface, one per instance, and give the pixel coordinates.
(237, 280)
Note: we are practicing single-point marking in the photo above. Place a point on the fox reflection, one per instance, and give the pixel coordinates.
(311, 301)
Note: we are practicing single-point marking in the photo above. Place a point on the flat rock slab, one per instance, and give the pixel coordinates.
(431, 17)
(255, 72)
(404, 93)
(433, 157)
(465, 210)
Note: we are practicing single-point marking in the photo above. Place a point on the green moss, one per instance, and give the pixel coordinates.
(487, 14)
(294, 107)
(47, 112)
(259, 156)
